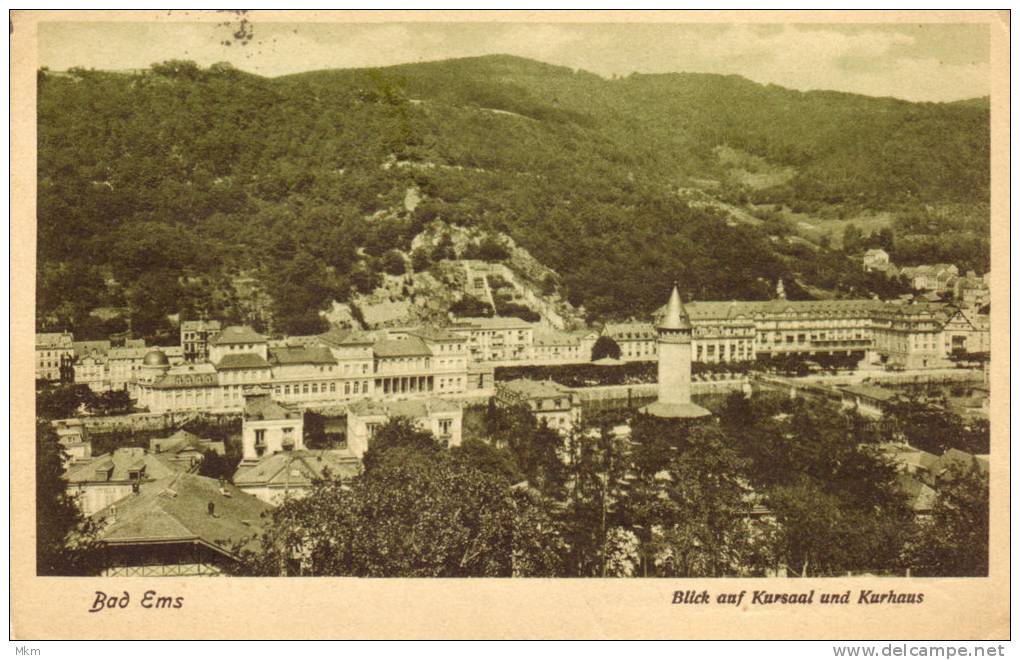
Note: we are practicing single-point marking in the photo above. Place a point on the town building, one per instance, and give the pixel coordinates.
(355, 360)
(184, 450)
(440, 417)
(195, 336)
(109, 478)
(180, 525)
(277, 477)
(496, 339)
(559, 347)
(910, 336)
(161, 388)
(876, 259)
(868, 400)
(403, 367)
(54, 356)
(931, 277)
(305, 374)
(237, 340)
(674, 364)
(74, 440)
(552, 403)
(637, 341)
(90, 364)
(268, 427)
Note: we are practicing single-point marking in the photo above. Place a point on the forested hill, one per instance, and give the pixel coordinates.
(156, 186)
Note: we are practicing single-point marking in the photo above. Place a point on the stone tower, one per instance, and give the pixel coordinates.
(674, 346)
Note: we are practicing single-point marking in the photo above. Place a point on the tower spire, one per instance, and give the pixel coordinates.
(675, 317)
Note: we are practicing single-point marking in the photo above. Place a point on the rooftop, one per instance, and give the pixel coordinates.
(534, 389)
(346, 337)
(301, 355)
(118, 466)
(184, 441)
(409, 347)
(238, 334)
(242, 361)
(188, 375)
(262, 407)
(177, 508)
(492, 323)
(298, 469)
(411, 408)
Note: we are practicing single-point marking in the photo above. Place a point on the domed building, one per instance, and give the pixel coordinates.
(154, 365)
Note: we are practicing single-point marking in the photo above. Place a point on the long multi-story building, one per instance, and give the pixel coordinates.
(496, 339)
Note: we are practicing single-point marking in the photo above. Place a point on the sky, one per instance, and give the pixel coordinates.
(917, 62)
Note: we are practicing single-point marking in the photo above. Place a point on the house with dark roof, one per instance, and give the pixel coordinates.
(108, 478)
(285, 475)
(268, 427)
(180, 525)
(185, 450)
(237, 339)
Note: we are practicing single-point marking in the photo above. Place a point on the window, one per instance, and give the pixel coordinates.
(332, 387)
(260, 437)
(315, 388)
(445, 425)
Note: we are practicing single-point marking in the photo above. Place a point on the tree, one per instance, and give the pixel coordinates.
(393, 262)
(705, 531)
(425, 515)
(62, 401)
(954, 540)
(397, 435)
(605, 346)
(66, 541)
(216, 466)
(853, 238)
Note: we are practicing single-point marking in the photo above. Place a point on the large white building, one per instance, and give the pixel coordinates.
(442, 418)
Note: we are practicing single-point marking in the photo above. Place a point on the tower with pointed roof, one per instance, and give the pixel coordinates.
(674, 346)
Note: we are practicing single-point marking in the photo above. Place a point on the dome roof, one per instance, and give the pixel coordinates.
(155, 358)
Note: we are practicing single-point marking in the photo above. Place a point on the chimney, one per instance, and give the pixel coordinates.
(211, 509)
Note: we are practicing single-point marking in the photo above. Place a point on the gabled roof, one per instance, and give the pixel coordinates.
(301, 355)
(298, 469)
(410, 408)
(242, 361)
(238, 334)
(117, 466)
(409, 347)
(176, 508)
(262, 407)
(535, 389)
(127, 353)
(85, 348)
(184, 441)
(346, 337)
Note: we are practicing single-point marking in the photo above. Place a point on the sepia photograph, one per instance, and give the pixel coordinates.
(399, 296)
